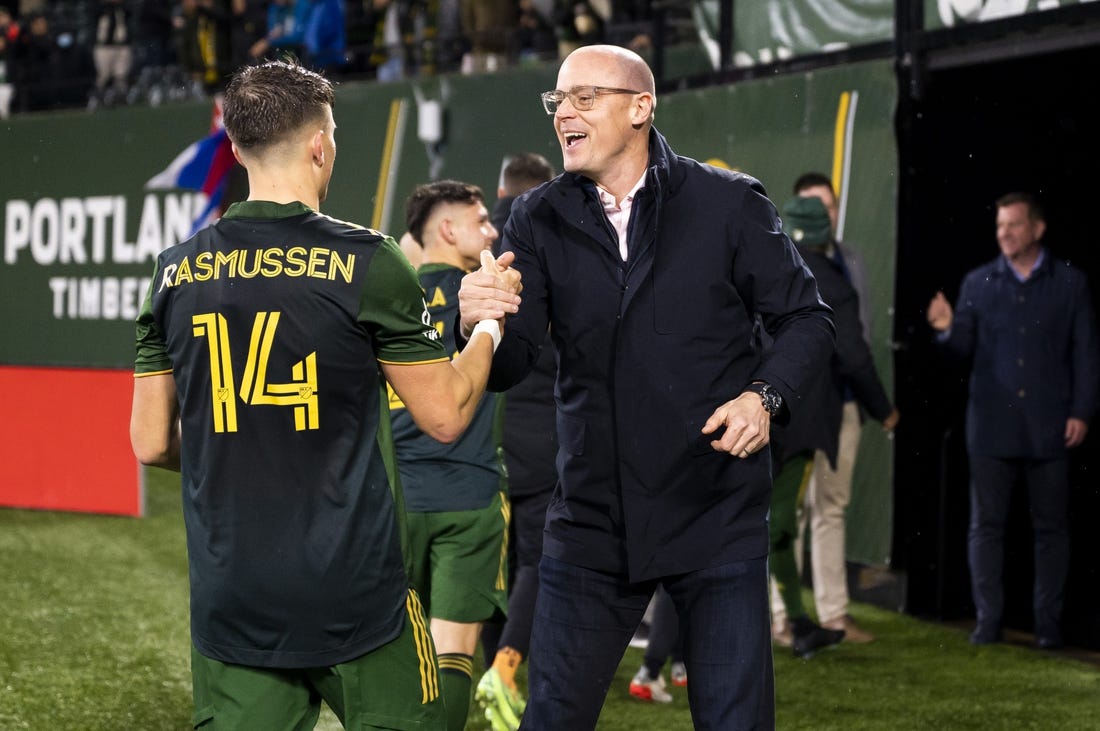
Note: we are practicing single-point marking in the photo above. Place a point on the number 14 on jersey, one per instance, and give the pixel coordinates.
(300, 393)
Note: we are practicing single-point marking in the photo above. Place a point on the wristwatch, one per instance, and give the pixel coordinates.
(769, 397)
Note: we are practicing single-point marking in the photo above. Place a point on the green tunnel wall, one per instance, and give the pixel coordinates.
(79, 231)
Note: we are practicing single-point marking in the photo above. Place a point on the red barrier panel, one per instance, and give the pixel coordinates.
(65, 441)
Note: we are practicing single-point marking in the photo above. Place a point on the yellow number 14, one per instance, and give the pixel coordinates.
(299, 393)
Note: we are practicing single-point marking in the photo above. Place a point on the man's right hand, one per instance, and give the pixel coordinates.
(940, 313)
(489, 293)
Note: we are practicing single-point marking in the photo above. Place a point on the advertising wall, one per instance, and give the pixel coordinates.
(80, 231)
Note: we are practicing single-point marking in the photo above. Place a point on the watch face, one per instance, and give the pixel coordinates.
(771, 399)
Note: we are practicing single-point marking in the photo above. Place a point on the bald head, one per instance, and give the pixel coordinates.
(625, 69)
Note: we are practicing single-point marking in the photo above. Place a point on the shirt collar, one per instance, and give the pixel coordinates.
(618, 213)
(608, 200)
(265, 209)
(1034, 267)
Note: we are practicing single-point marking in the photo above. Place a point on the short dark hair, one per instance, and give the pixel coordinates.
(524, 171)
(1034, 207)
(424, 199)
(812, 180)
(265, 103)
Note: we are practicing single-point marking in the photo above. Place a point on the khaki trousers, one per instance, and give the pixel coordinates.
(827, 503)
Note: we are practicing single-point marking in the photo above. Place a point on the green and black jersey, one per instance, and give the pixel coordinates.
(463, 475)
(273, 322)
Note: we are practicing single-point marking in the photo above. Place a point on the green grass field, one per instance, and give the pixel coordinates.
(93, 635)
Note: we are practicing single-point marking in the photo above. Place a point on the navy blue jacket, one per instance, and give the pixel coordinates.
(648, 349)
(1036, 362)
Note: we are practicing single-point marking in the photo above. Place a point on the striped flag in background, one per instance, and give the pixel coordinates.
(203, 166)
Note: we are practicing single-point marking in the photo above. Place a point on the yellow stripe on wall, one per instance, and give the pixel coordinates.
(389, 150)
(839, 135)
(842, 155)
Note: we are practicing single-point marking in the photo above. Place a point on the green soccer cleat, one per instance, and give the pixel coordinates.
(503, 706)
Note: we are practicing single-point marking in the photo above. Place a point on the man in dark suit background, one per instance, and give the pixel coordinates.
(1027, 320)
(649, 268)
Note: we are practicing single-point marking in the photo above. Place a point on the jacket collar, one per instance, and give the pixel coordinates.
(572, 192)
(662, 160)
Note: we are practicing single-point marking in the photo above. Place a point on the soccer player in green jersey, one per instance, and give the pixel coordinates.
(454, 493)
(264, 349)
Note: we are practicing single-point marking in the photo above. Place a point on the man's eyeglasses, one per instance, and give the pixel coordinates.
(582, 98)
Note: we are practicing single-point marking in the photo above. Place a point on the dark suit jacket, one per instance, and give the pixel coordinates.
(1034, 345)
(648, 349)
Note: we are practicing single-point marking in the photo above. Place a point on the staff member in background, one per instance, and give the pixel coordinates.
(1027, 320)
(818, 425)
(830, 486)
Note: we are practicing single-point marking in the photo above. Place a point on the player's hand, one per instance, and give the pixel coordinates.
(1076, 431)
(490, 292)
(747, 423)
(939, 313)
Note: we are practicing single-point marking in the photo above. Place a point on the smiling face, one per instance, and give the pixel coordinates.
(1018, 233)
(472, 233)
(608, 143)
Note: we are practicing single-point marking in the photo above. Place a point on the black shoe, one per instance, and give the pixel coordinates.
(809, 637)
(985, 636)
(1048, 636)
(1049, 643)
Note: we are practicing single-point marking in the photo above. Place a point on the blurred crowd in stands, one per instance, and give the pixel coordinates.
(64, 54)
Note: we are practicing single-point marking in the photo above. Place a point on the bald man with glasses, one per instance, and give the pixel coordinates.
(648, 268)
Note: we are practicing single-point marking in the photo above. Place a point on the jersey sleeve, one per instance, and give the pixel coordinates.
(392, 307)
(152, 352)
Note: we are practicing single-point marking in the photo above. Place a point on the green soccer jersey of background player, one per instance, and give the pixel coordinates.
(468, 473)
(455, 494)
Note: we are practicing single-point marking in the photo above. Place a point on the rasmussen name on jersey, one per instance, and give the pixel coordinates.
(293, 261)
